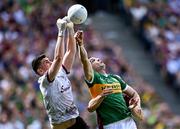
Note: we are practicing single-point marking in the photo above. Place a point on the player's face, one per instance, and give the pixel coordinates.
(97, 64)
(45, 65)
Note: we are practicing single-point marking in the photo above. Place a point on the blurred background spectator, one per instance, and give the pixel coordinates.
(157, 23)
(27, 28)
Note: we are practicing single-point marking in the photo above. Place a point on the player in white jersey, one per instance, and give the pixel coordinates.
(54, 83)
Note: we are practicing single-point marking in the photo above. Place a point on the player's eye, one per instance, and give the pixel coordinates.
(92, 60)
(46, 61)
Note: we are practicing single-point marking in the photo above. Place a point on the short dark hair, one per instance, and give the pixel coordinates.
(37, 61)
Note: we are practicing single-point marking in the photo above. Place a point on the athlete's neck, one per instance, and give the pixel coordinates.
(103, 72)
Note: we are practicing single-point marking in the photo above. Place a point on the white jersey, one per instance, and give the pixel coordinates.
(58, 98)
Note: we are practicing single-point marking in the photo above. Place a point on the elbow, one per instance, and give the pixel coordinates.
(141, 118)
(138, 113)
(84, 60)
(90, 109)
(72, 50)
(58, 58)
(71, 53)
(89, 78)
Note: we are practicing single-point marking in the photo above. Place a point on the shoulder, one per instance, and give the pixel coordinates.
(116, 76)
(43, 81)
(63, 71)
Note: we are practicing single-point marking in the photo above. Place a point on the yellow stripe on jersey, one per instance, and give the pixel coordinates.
(97, 89)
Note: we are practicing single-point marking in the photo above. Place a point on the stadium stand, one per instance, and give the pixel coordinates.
(27, 28)
(157, 23)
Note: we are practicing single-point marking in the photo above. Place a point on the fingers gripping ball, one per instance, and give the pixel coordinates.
(61, 24)
(77, 14)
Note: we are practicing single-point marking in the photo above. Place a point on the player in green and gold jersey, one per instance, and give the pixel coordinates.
(107, 93)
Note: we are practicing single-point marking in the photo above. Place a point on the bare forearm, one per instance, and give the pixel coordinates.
(82, 51)
(83, 54)
(71, 44)
(137, 112)
(71, 50)
(84, 59)
(88, 71)
(95, 103)
(59, 48)
(58, 56)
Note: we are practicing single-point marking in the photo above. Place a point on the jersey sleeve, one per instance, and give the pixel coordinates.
(123, 84)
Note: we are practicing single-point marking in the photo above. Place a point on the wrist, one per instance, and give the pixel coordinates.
(60, 33)
(101, 96)
(71, 31)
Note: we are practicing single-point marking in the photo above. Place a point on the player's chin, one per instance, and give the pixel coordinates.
(103, 66)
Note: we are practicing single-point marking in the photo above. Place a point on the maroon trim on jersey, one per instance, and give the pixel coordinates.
(65, 69)
(99, 121)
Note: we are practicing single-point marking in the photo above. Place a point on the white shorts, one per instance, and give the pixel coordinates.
(127, 123)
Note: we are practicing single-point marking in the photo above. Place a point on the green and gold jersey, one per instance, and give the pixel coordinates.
(113, 108)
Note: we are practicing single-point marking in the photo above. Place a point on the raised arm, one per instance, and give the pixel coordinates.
(70, 48)
(59, 50)
(88, 71)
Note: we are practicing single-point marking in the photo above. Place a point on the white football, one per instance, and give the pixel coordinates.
(77, 14)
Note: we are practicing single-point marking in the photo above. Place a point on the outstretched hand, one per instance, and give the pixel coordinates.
(61, 24)
(133, 102)
(79, 35)
(69, 23)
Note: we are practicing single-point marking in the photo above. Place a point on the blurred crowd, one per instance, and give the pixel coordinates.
(157, 22)
(28, 28)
